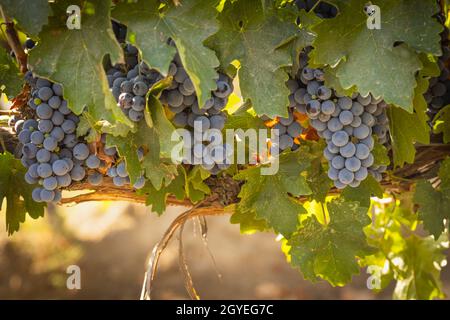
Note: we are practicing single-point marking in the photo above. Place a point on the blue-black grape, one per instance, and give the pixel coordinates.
(44, 111)
(81, 151)
(95, 178)
(60, 167)
(47, 195)
(50, 183)
(44, 170)
(93, 161)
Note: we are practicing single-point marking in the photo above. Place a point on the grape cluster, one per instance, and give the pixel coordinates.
(323, 10)
(130, 87)
(438, 94)
(181, 100)
(51, 151)
(346, 123)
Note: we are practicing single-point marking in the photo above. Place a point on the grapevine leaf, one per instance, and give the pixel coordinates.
(368, 188)
(30, 15)
(17, 193)
(329, 251)
(188, 25)
(316, 175)
(157, 198)
(79, 53)
(406, 128)
(87, 128)
(196, 188)
(308, 18)
(163, 127)
(267, 196)
(332, 81)
(254, 38)
(248, 223)
(290, 13)
(244, 120)
(380, 154)
(127, 148)
(369, 59)
(10, 78)
(434, 205)
(418, 277)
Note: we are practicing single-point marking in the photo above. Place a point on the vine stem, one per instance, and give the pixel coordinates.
(196, 211)
(14, 42)
(9, 113)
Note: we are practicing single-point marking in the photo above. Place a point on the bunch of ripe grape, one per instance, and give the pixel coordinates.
(346, 123)
(182, 101)
(51, 151)
(129, 84)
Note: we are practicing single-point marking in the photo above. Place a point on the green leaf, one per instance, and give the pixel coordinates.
(17, 193)
(157, 198)
(418, 276)
(248, 223)
(329, 251)
(10, 78)
(268, 196)
(380, 154)
(368, 188)
(368, 58)
(407, 128)
(196, 188)
(332, 81)
(317, 176)
(163, 127)
(305, 38)
(244, 120)
(30, 15)
(188, 25)
(74, 59)
(434, 205)
(87, 128)
(254, 38)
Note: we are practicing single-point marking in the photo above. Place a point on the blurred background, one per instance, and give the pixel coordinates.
(111, 243)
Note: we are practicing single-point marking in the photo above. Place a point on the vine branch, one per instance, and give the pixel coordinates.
(13, 41)
(425, 166)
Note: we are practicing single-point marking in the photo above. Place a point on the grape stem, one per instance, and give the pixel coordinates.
(212, 208)
(14, 42)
